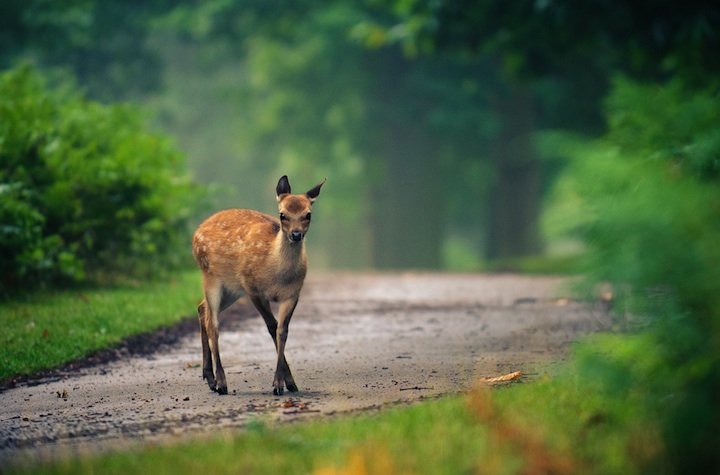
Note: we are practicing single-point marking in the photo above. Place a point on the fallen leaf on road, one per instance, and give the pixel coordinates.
(505, 378)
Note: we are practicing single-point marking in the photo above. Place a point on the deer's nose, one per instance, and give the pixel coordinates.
(296, 236)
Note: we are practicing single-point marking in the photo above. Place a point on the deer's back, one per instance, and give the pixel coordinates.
(237, 246)
(234, 240)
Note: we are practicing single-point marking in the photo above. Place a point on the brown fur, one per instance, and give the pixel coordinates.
(241, 251)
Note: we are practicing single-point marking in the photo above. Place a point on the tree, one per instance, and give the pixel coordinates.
(387, 127)
(104, 43)
(400, 101)
(554, 60)
(85, 191)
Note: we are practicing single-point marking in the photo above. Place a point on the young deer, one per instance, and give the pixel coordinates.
(244, 251)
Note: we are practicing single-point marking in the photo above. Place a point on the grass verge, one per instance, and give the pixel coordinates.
(45, 330)
(539, 265)
(563, 423)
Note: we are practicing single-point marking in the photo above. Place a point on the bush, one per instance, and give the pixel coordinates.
(85, 191)
(650, 195)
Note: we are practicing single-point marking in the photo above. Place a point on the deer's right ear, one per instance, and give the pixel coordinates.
(283, 187)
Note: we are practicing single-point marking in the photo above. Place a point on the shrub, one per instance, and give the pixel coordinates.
(85, 190)
(650, 192)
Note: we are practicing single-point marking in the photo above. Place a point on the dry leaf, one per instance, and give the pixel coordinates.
(505, 378)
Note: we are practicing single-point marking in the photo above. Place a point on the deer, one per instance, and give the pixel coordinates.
(246, 252)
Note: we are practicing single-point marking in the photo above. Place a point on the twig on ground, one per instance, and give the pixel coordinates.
(415, 388)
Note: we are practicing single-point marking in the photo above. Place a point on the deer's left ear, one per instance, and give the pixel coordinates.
(283, 187)
(315, 192)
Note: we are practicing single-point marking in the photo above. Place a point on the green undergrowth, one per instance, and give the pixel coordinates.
(565, 421)
(45, 329)
(539, 265)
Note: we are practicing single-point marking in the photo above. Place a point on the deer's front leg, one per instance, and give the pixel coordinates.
(263, 306)
(282, 373)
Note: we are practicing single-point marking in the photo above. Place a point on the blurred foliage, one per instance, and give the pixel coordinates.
(85, 191)
(648, 200)
(566, 51)
(422, 113)
(406, 136)
(104, 43)
(308, 99)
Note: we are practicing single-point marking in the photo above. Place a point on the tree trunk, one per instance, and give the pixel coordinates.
(407, 200)
(406, 206)
(515, 196)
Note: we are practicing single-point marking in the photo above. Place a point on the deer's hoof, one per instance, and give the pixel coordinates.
(292, 387)
(222, 390)
(278, 391)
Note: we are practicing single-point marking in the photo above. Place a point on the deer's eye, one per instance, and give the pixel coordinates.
(307, 216)
(283, 217)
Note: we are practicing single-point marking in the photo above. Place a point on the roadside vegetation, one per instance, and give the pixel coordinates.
(87, 193)
(43, 330)
(645, 199)
(94, 225)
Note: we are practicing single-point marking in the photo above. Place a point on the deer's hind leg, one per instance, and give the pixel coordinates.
(217, 299)
(207, 369)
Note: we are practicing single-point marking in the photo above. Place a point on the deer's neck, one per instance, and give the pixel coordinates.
(289, 254)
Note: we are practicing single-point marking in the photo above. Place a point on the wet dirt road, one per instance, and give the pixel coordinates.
(356, 342)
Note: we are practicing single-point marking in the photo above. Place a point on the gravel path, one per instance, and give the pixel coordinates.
(357, 342)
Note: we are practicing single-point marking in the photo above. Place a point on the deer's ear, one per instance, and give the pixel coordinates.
(283, 187)
(315, 192)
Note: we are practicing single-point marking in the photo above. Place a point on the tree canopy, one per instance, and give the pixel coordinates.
(424, 114)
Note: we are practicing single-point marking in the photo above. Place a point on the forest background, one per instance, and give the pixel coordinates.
(454, 135)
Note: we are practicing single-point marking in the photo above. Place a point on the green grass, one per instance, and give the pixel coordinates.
(538, 265)
(462, 256)
(437, 430)
(437, 437)
(44, 330)
(564, 422)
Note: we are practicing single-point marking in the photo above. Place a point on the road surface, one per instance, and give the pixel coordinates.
(357, 342)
